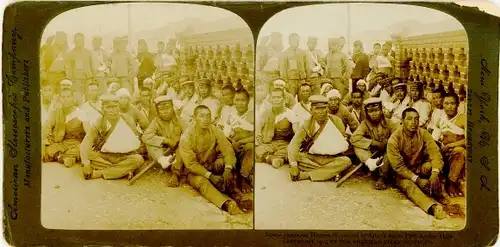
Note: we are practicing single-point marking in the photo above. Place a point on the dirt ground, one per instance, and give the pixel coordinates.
(356, 205)
(70, 202)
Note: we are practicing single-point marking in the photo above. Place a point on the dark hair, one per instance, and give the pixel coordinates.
(304, 85)
(144, 89)
(161, 42)
(78, 35)
(357, 91)
(243, 91)
(432, 85)
(230, 88)
(453, 95)
(92, 84)
(201, 107)
(294, 34)
(441, 92)
(376, 44)
(407, 110)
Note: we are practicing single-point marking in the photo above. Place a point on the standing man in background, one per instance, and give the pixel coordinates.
(315, 65)
(100, 58)
(361, 61)
(80, 67)
(293, 65)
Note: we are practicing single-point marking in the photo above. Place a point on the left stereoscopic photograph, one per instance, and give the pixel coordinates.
(147, 118)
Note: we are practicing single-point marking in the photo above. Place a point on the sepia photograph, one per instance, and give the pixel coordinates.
(361, 119)
(147, 118)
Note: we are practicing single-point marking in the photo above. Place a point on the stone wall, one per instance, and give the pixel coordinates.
(224, 55)
(440, 57)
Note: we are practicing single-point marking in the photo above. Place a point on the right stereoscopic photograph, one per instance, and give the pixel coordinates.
(361, 119)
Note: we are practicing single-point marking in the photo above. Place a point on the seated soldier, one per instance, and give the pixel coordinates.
(63, 131)
(356, 108)
(437, 108)
(399, 102)
(239, 129)
(162, 138)
(206, 98)
(47, 96)
(275, 128)
(289, 100)
(303, 108)
(91, 110)
(186, 104)
(110, 148)
(228, 104)
(340, 110)
(316, 152)
(370, 140)
(145, 104)
(200, 147)
(420, 103)
(127, 108)
(361, 88)
(450, 133)
(417, 161)
(146, 84)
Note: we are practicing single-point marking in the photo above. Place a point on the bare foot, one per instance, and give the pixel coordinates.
(232, 208)
(438, 212)
(173, 180)
(277, 163)
(69, 162)
(451, 189)
(245, 187)
(94, 174)
(380, 184)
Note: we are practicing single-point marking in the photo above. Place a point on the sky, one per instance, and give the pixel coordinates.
(331, 20)
(102, 19)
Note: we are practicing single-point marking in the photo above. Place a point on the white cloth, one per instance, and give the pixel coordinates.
(225, 112)
(435, 117)
(301, 112)
(383, 62)
(90, 112)
(287, 114)
(76, 113)
(330, 141)
(234, 121)
(423, 108)
(121, 140)
(447, 125)
(372, 163)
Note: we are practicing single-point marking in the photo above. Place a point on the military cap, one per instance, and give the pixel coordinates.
(148, 81)
(318, 101)
(188, 82)
(400, 84)
(161, 99)
(123, 92)
(105, 98)
(372, 100)
(207, 82)
(416, 84)
(66, 84)
(333, 93)
(279, 83)
(361, 82)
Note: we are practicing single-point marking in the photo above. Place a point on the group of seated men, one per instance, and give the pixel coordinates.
(398, 134)
(206, 140)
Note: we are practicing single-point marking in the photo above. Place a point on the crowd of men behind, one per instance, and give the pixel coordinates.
(407, 133)
(111, 111)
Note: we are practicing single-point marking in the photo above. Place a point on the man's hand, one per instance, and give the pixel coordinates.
(167, 141)
(217, 181)
(228, 179)
(294, 171)
(435, 184)
(87, 169)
